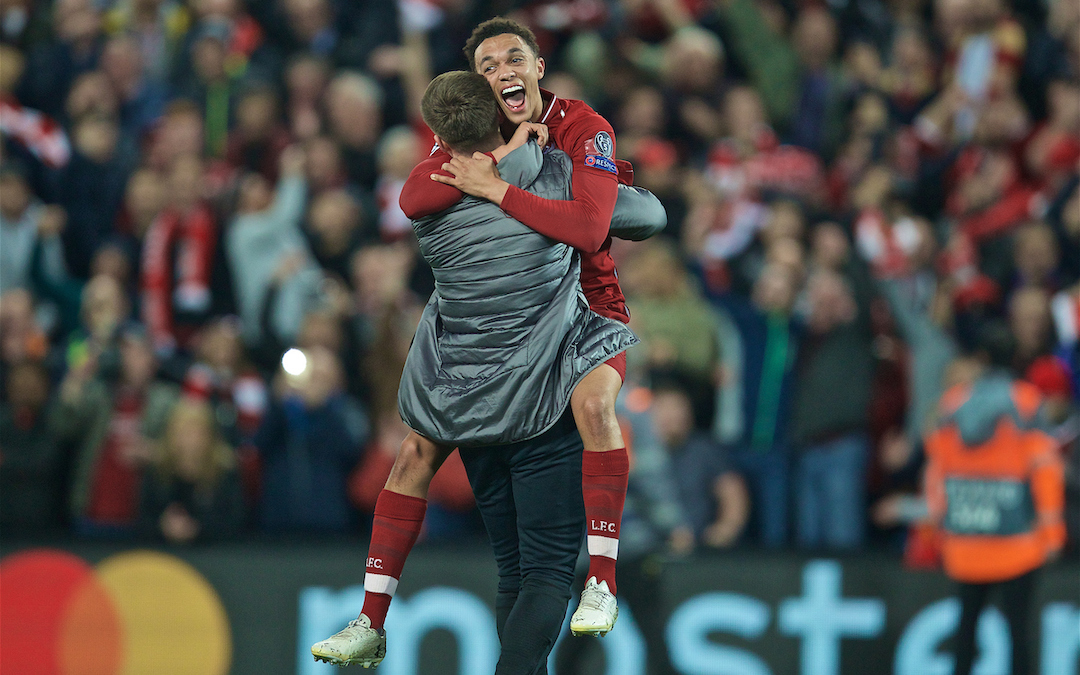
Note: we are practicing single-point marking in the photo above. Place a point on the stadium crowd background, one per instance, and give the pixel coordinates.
(857, 192)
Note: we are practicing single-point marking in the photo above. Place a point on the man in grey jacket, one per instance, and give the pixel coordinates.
(503, 342)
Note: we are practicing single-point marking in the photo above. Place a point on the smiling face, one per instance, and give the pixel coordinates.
(514, 73)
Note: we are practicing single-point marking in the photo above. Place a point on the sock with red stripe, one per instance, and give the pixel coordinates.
(603, 486)
(397, 523)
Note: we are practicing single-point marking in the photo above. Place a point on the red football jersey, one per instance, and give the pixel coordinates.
(583, 223)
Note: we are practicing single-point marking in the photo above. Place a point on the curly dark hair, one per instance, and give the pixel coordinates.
(498, 26)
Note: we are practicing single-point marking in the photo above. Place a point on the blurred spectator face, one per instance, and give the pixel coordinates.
(28, 386)
(1070, 215)
(873, 188)
(922, 253)
(775, 16)
(863, 62)
(104, 306)
(91, 93)
(112, 261)
(871, 115)
(144, 199)
(190, 437)
(672, 416)
(962, 371)
(399, 152)
(353, 104)
(1002, 122)
(693, 61)
(122, 63)
(381, 273)
(220, 346)
(774, 290)
(96, 137)
(1029, 321)
(185, 182)
(335, 216)
(323, 378)
(181, 133)
(325, 168)
(564, 85)
(786, 221)
(815, 38)
(655, 272)
(829, 246)
(744, 114)
(217, 9)
(1063, 98)
(14, 19)
(308, 18)
(1035, 253)
(208, 59)
(642, 112)
(1064, 20)
(305, 79)
(952, 18)
(788, 254)
(12, 64)
(256, 115)
(20, 335)
(985, 12)
(320, 329)
(255, 193)
(138, 365)
(76, 21)
(831, 302)
(14, 195)
(911, 52)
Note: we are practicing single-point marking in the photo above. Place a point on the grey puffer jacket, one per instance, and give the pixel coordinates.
(507, 334)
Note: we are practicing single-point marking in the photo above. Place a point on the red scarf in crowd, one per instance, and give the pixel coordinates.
(187, 287)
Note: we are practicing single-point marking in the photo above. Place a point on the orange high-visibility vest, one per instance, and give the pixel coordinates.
(999, 503)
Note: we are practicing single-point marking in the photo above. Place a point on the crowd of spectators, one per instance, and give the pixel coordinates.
(857, 193)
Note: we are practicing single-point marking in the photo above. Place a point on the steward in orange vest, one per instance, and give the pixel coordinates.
(994, 481)
(995, 487)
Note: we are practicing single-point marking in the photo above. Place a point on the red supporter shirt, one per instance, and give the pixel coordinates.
(583, 223)
(114, 497)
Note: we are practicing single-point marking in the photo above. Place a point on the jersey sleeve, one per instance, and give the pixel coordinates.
(422, 196)
(582, 223)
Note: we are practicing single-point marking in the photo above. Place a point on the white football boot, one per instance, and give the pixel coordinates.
(597, 611)
(357, 643)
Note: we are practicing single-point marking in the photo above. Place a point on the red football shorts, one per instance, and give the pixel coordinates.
(618, 362)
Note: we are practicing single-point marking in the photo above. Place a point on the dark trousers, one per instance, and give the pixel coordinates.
(529, 495)
(1015, 603)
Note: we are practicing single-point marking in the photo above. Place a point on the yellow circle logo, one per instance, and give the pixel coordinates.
(135, 613)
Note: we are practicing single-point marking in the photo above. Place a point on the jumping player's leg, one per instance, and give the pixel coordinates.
(399, 516)
(604, 471)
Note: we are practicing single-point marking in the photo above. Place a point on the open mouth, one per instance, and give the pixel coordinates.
(514, 97)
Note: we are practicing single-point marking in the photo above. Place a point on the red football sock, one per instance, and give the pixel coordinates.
(603, 485)
(397, 523)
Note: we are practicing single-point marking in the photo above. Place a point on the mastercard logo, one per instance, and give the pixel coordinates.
(135, 613)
